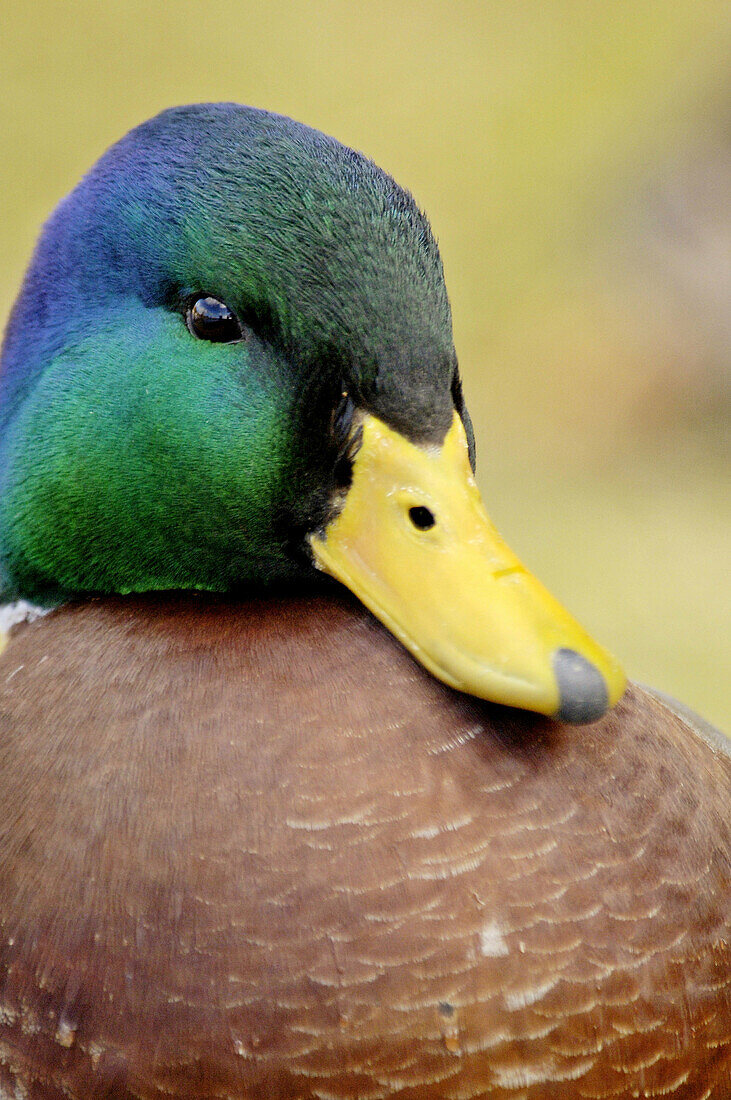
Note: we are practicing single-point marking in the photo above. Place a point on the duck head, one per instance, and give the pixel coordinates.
(231, 363)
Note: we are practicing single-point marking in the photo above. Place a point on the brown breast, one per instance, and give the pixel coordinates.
(255, 851)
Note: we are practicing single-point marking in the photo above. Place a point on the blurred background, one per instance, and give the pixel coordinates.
(575, 159)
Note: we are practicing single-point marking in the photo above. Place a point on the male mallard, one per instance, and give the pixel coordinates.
(249, 848)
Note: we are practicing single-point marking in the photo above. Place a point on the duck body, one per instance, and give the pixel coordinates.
(253, 849)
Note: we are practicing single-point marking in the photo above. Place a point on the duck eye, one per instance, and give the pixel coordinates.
(209, 319)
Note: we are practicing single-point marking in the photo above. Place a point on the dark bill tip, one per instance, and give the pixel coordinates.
(583, 690)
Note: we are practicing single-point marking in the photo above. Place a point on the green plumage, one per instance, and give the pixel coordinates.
(135, 456)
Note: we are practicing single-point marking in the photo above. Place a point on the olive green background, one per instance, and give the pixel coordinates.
(574, 158)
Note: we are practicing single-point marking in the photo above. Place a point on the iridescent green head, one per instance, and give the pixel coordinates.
(140, 451)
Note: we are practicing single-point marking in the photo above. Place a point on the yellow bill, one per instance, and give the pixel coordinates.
(414, 543)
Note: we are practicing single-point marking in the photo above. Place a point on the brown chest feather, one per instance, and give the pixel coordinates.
(255, 851)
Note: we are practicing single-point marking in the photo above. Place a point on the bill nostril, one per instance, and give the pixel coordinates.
(583, 689)
(422, 518)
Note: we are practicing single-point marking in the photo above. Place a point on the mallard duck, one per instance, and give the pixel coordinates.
(249, 846)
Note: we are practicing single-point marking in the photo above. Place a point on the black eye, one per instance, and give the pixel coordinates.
(209, 319)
